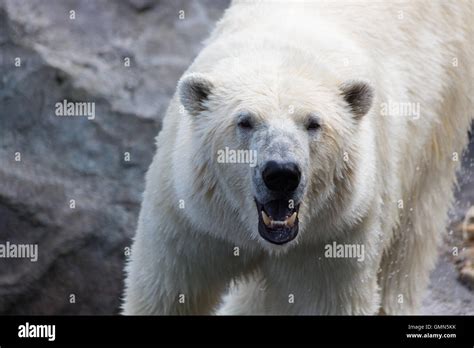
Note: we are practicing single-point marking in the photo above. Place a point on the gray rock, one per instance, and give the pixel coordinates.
(81, 250)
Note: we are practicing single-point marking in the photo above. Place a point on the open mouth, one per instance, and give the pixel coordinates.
(278, 221)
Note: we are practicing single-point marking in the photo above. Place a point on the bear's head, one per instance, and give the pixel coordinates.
(279, 140)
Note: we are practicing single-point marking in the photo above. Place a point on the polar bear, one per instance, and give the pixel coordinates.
(357, 115)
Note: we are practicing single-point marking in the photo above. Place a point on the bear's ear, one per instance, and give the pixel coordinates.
(358, 95)
(194, 89)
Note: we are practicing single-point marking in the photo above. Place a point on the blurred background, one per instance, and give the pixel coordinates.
(126, 57)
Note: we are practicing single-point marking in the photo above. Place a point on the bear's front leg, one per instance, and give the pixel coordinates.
(174, 270)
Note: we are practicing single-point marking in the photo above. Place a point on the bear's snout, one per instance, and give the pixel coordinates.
(281, 177)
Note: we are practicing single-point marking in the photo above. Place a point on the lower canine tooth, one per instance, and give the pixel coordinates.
(291, 220)
(266, 220)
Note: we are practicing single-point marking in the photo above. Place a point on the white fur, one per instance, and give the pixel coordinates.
(266, 57)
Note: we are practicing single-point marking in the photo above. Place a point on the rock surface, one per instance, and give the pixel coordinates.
(82, 249)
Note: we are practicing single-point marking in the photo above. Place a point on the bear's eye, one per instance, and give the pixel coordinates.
(245, 122)
(312, 124)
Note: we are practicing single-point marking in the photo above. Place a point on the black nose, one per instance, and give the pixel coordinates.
(282, 177)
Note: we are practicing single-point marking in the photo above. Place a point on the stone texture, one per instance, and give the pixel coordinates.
(81, 250)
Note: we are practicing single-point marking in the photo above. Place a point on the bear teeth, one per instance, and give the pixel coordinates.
(289, 222)
(266, 220)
